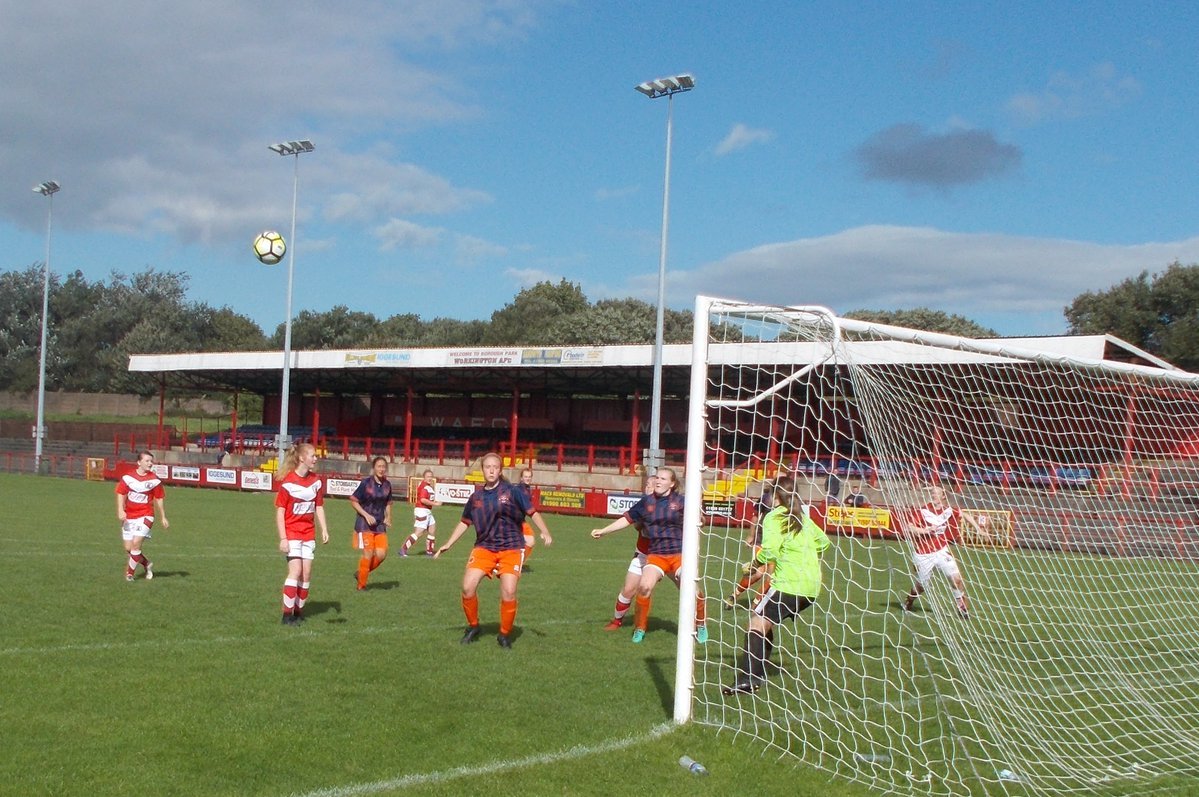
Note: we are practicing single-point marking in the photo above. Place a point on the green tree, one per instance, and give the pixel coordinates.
(225, 330)
(1158, 313)
(339, 328)
(452, 332)
(926, 319)
(20, 328)
(399, 331)
(529, 317)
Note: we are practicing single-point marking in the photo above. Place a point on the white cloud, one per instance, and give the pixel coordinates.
(156, 119)
(469, 249)
(1067, 96)
(403, 234)
(604, 194)
(881, 267)
(741, 137)
(528, 277)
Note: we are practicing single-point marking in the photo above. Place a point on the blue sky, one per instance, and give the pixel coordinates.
(988, 159)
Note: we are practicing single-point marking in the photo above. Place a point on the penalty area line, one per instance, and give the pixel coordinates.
(578, 751)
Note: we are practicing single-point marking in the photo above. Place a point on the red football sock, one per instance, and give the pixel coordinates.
(290, 588)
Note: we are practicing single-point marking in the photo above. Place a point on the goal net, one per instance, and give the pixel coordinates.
(1077, 481)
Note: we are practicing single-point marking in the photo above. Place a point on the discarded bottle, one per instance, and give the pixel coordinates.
(691, 765)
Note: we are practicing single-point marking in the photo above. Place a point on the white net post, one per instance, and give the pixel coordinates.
(1077, 539)
(692, 517)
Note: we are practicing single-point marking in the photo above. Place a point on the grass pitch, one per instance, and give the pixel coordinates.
(189, 685)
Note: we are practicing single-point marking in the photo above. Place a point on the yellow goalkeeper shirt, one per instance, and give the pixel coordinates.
(795, 546)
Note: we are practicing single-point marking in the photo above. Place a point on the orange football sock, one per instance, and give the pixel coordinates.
(364, 567)
(470, 607)
(701, 609)
(507, 616)
(641, 617)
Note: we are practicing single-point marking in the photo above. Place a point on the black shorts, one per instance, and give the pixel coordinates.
(778, 606)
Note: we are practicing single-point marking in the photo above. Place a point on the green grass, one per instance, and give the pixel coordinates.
(188, 684)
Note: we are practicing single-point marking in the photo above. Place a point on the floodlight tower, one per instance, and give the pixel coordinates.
(666, 87)
(295, 149)
(47, 189)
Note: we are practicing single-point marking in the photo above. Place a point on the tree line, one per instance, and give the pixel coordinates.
(95, 325)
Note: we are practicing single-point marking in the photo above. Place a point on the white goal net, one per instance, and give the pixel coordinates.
(1077, 483)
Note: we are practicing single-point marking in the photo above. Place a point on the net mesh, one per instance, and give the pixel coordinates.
(1077, 669)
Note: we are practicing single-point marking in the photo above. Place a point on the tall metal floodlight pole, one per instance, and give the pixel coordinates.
(47, 189)
(666, 87)
(294, 148)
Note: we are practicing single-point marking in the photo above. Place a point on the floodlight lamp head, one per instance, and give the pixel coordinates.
(47, 188)
(666, 86)
(292, 147)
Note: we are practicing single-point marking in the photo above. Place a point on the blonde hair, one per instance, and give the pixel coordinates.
(292, 458)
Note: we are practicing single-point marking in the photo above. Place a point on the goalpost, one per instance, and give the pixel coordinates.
(1077, 669)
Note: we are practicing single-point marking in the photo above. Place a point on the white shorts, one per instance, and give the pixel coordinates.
(638, 563)
(138, 527)
(423, 518)
(941, 560)
(301, 549)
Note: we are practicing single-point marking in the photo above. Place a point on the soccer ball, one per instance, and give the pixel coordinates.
(269, 247)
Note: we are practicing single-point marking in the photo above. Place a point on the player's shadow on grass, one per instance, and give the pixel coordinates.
(172, 573)
(371, 585)
(314, 609)
(663, 681)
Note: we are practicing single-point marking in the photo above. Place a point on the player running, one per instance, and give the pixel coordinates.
(423, 521)
(371, 501)
(138, 493)
(931, 529)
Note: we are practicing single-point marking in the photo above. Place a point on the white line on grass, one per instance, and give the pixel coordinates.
(578, 751)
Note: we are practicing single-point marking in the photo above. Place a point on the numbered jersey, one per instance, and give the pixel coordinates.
(299, 496)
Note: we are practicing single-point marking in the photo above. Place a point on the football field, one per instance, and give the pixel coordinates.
(189, 685)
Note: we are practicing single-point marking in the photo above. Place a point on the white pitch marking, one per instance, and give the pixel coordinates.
(578, 751)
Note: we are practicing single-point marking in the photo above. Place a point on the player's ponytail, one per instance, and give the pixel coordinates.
(787, 495)
(292, 458)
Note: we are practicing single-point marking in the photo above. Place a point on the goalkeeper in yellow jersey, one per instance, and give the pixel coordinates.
(794, 544)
